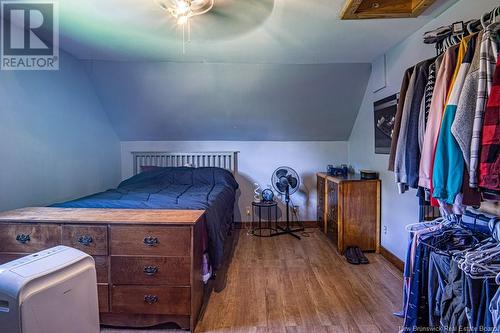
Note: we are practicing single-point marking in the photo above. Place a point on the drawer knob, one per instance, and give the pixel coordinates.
(150, 299)
(23, 239)
(85, 240)
(150, 270)
(151, 241)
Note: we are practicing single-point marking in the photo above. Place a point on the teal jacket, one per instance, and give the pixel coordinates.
(448, 172)
(449, 164)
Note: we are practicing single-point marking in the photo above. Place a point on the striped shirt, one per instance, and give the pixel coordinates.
(488, 61)
(429, 90)
(426, 101)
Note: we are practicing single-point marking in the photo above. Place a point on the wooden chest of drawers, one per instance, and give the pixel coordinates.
(350, 211)
(321, 201)
(148, 262)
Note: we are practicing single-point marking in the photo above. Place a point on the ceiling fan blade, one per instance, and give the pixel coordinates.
(241, 16)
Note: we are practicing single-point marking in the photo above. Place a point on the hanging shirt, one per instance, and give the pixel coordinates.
(399, 158)
(412, 151)
(458, 64)
(489, 167)
(427, 100)
(448, 162)
(464, 118)
(489, 56)
(443, 81)
(399, 113)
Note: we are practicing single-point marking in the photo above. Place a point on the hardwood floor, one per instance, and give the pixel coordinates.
(285, 285)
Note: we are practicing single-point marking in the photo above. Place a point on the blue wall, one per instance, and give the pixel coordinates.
(56, 142)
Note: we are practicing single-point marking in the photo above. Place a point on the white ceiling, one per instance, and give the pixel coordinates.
(236, 31)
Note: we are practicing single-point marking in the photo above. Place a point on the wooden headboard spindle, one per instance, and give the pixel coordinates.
(226, 160)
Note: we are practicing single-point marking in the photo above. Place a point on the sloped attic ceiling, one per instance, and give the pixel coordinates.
(254, 70)
(176, 101)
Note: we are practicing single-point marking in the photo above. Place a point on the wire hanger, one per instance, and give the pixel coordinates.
(478, 271)
(487, 18)
(424, 225)
(471, 27)
(497, 279)
(483, 261)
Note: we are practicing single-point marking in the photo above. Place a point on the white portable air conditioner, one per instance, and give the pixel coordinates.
(52, 291)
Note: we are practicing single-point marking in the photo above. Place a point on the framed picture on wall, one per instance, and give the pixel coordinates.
(385, 117)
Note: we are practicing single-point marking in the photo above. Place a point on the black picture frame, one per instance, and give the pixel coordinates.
(384, 119)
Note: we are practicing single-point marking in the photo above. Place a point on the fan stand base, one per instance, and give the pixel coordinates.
(287, 231)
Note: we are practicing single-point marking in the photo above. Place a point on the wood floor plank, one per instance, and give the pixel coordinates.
(285, 285)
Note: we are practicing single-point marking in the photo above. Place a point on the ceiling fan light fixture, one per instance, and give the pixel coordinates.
(183, 19)
(183, 10)
(183, 7)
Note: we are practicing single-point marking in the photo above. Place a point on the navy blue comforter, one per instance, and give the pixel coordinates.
(210, 189)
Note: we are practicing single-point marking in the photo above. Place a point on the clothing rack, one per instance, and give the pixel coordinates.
(443, 38)
(452, 265)
(447, 36)
(448, 284)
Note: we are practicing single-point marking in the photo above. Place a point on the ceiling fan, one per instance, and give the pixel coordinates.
(219, 19)
(183, 10)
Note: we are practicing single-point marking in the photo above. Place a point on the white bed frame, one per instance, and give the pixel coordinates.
(223, 159)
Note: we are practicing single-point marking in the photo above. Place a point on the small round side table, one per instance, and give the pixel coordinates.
(266, 206)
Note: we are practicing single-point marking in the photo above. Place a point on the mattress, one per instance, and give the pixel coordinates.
(209, 189)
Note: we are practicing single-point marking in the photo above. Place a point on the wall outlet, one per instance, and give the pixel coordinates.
(385, 230)
(249, 211)
(296, 210)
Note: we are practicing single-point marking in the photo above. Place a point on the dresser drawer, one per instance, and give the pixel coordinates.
(103, 297)
(28, 238)
(101, 268)
(150, 241)
(151, 270)
(151, 300)
(89, 239)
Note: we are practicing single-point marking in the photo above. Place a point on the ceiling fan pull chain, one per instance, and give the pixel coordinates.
(183, 39)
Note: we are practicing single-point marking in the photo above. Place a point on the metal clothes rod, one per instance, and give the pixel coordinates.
(446, 36)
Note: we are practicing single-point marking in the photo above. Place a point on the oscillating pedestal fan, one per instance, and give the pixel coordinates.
(286, 181)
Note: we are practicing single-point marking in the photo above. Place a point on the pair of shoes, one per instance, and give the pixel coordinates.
(351, 257)
(355, 256)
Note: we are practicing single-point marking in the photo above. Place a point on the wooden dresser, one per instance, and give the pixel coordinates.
(349, 211)
(148, 262)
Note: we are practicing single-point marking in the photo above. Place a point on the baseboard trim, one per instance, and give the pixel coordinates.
(393, 259)
(243, 225)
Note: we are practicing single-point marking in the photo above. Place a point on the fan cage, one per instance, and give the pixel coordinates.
(275, 178)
